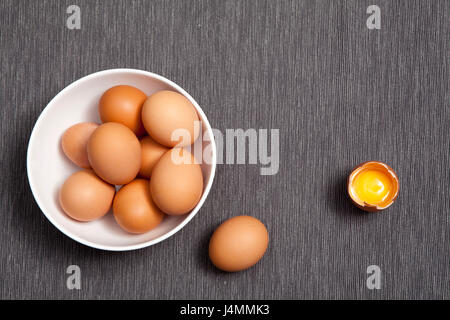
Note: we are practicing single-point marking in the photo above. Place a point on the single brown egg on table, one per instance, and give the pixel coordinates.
(86, 197)
(74, 143)
(134, 209)
(176, 184)
(114, 153)
(123, 104)
(151, 152)
(166, 113)
(238, 243)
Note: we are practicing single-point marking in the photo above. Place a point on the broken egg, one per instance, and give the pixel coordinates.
(373, 186)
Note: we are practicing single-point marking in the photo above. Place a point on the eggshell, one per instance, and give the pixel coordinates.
(238, 243)
(378, 166)
(165, 111)
(114, 153)
(134, 209)
(123, 104)
(151, 152)
(85, 197)
(74, 143)
(176, 187)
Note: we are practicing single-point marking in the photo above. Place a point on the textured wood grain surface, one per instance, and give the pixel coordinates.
(339, 93)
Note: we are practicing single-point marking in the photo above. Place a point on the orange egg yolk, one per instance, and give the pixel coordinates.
(372, 186)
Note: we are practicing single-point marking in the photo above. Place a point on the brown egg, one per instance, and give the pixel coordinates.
(74, 143)
(176, 187)
(86, 197)
(238, 243)
(134, 208)
(114, 153)
(123, 104)
(164, 112)
(151, 152)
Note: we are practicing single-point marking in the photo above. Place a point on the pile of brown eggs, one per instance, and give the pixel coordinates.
(134, 148)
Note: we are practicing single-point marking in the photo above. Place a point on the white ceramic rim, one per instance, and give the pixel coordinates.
(191, 214)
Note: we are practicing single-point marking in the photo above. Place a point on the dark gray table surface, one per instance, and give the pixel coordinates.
(339, 93)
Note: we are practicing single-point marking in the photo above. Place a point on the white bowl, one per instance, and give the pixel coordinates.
(48, 167)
